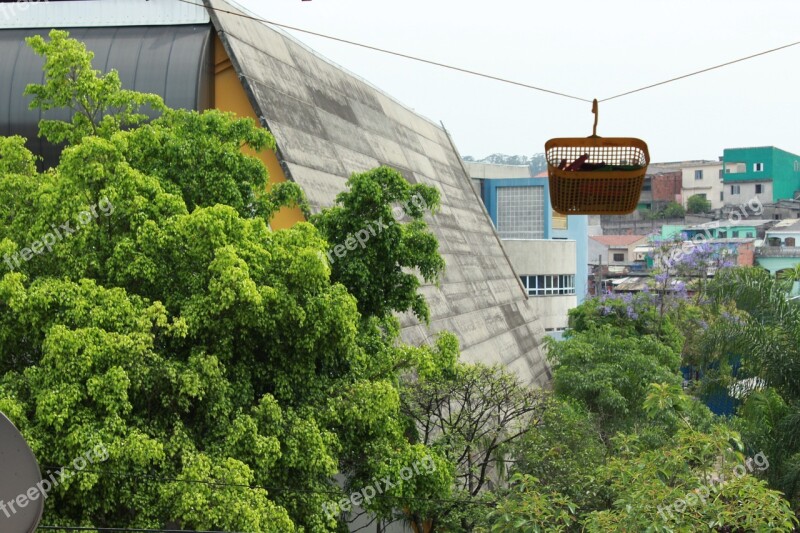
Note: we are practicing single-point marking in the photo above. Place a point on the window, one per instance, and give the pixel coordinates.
(758, 167)
(698, 175)
(520, 212)
(736, 189)
(559, 221)
(619, 258)
(549, 285)
(759, 188)
(735, 234)
(749, 234)
(721, 196)
(722, 234)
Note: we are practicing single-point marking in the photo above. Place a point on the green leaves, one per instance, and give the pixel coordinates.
(99, 105)
(377, 258)
(214, 358)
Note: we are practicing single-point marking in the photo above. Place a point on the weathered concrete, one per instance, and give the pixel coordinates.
(328, 124)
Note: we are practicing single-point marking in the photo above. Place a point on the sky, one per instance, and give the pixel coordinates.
(589, 49)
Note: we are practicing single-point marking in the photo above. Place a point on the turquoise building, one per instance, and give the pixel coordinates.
(765, 172)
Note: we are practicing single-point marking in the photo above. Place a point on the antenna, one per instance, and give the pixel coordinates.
(21, 494)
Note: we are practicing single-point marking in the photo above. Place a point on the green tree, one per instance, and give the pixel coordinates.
(472, 416)
(610, 374)
(697, 204)
(377, 259)
(228, 376)
(695, 480)
(765, 334)
(672, 210)
(562, 452)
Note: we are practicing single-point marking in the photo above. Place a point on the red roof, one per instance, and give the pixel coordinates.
(617, 240)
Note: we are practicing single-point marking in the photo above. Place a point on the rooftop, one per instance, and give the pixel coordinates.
(617, 240)
(789, 224)
(730, 224)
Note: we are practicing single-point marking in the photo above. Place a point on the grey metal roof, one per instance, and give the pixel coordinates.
(173, 61)
(328, 124)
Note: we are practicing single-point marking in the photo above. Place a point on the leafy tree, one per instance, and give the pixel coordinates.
(524, 508)
(471, 416)
(696, 480)
(563, 452)
(672, 210)
(610, 374)
(697, 204)
(377, 259)
(226, 374)
(98, 103)
(765, 334)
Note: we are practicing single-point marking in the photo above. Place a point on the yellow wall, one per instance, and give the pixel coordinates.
(229, 95)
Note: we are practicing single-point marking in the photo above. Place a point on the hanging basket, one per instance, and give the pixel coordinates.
(596, 175)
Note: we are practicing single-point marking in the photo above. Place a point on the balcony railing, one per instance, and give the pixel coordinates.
(778, 251)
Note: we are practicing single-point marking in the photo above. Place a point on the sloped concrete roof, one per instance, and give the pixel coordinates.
(328, 124)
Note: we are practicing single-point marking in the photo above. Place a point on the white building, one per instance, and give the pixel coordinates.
(701, 177)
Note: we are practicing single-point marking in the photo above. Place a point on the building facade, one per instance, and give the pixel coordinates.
(548, 250)
(781, 247)
(616, 249)
(697, 177)
(767, 173)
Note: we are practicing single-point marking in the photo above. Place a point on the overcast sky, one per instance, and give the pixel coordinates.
(590, 49)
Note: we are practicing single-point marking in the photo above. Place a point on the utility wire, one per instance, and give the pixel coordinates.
(390, 52)
(765, 52)
(480, 74)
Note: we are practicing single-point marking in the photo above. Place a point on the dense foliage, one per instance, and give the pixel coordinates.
(231, 371)
(228, 376)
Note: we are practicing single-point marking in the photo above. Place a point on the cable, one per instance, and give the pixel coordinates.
(480, 74)
(701, 71)
(390, 52)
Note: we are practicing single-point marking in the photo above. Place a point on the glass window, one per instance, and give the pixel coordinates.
(520, 212)
(551, 284)
(619, 257)
(759, 188)
(698, 174)
(735, 189)
(758, 167)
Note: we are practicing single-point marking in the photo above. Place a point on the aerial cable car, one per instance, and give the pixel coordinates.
(596, 175)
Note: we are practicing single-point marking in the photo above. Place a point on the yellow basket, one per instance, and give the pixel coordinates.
(614, 191)
(596, 175)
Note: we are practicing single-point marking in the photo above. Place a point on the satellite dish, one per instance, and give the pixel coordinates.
(21, 499)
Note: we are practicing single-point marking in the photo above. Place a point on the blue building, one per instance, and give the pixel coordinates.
(548, 250)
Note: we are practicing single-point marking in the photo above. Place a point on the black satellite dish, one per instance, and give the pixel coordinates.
(21, 500)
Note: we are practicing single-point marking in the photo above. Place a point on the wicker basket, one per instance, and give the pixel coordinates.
(596, 175)
(614, 191)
